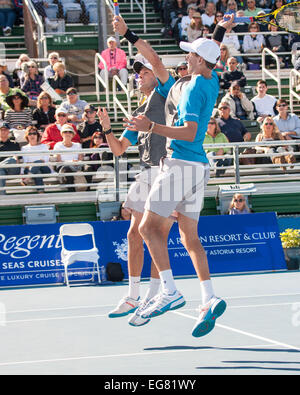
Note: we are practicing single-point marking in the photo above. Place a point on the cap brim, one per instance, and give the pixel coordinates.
(185, 46)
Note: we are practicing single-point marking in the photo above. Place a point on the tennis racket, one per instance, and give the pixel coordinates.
(116, 7)
(286, 17)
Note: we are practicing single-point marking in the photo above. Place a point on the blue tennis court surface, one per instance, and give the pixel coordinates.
(57, 330)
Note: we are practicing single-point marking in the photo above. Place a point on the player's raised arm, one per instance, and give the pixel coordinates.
(221, 28)
(143, 47)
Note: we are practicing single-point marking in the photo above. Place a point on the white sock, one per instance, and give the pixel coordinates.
(153, 288)
(167, 282)
(134, 287)
(207, 291)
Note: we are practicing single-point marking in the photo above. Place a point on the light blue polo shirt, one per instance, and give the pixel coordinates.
(196, 105)
(163, 90)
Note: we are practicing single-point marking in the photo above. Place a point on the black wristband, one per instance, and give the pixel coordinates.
(106, 132)
(131, 36)
(219, 33)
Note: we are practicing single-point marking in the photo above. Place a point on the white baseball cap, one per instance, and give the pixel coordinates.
(207, 49)
(139, 64)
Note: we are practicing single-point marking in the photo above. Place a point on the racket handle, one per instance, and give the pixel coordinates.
(242, 19)
(117, 8)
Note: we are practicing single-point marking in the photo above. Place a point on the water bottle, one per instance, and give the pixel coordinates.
(103, 273)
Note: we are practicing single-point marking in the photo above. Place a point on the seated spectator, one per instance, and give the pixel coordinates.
(18, 72)
(238, 205)
(32, 81)
(215, 136)
(270, 132)
(19, 116)
(277, 4)
(177, 12)
(67, 144)
(61, 81)
(221, 6)
(35, 163)
(116, 61)
(186, 20)
(194, 29)
(276, 42)
(5, 91)
(233, 74)
(6, 144)
(287, 123)
(97, 141)
(208, 18)
(233, 129)
(240, 106)
(264, 104)
(232, 7)
(240, 27)
(232, 43)
(201, 5)
(221, 65)
(8, 16)
(3, 71)
(218, 17)
(253, 43)
(74, 106)
(182, 69)
(251, 9)
(52, 134)
(49, 72)
(89, 126)
(44, 114)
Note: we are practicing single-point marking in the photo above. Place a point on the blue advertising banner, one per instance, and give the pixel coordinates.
(30, 254)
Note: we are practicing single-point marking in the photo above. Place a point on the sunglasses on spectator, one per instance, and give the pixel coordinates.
(182, 68)
(71, 94)
(238, 200)
(281, 105)
(67, 131)
(61, 115)
(89, 112)
(212, 123)
(269, 123)
(223, 108)
(31, 67)
(32, 134)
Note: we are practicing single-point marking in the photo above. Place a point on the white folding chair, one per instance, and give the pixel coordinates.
(71, 256)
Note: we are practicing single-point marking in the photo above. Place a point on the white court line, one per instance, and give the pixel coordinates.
(137, 354)
(244, 333)
(112, 305)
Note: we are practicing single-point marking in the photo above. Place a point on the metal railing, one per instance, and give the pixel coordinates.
(41, 39)
(294, 82)
(113, 177)
(100, 81)
(267, 72)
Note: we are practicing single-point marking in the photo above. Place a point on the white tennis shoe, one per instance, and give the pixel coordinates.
(126, 306)
(208, 316)
(163, 303)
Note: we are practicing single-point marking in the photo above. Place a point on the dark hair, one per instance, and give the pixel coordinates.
(30, 129)
(97, 134)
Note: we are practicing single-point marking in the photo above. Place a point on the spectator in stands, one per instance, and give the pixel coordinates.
(215, 136)
(251, 9)
(277, 4)
(74, 106)
(270, 132)
(44, 114)
(3, 71)
(240, 27)
(6, 144)
(233, 74)
(182, 69)
(32, 81)
(7, 16)
(173, 11)
(18, 72)
(221, 65)
(186, 20)
(19, 116)
(232, 42)
(276, 42)
(53, 58)
(208, 18)
(253, 43)
(232, 7)
(61, 81)
(36, 166)
(98, 140)
(238, 205)
(116, 61)
(221, 6)
(5, 91)
(264, 104)
(194, 29)
(218, 17)
(67, 144)
(240, 106)
(287, 123)
(89, 126)
(233, 129)
(52, 134)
